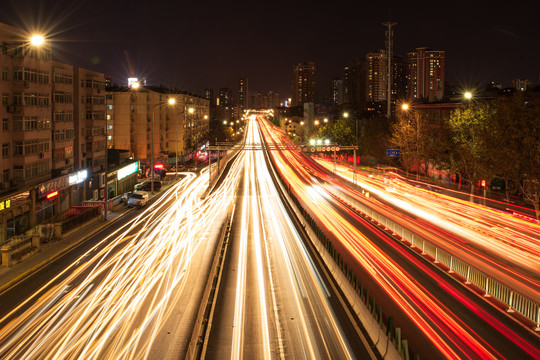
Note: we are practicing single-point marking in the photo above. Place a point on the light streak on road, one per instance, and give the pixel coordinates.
(449, 333)
(112, 303)
(497, 243)
(269, 232)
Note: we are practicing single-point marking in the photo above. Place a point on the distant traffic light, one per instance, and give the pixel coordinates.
(483, 183)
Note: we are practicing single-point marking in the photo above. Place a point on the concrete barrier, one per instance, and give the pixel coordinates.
(19, 248)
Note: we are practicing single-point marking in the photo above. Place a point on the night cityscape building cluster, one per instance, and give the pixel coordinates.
(58, 120)
(292, 185)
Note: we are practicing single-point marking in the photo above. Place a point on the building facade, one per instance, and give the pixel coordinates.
(175, 128)
(243, 91)
(376, 76)
(303, 84)
(26, 110)
(89, 107)
(425, 79)
(63, 125)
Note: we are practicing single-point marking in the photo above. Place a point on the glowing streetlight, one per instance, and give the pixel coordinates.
(316, 122)
(135, 85)
(345, 115)
(405, 107)
(37, 40)
(467, 95)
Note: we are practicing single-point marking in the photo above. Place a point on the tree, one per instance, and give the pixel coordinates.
(526, 110)
(472, 153)
(507, 125)
(339, 132)
(374, 137)
(411, 134)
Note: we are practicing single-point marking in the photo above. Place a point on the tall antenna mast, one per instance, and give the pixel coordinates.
(389, 35)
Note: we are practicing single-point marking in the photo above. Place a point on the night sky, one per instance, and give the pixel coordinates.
(192, 45)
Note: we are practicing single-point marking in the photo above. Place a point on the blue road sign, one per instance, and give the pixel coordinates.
(393, 153)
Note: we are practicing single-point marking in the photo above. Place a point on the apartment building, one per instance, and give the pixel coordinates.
(132, 113)
(63, 125)
(89, 124)
(425, 74)
(376, 76)
(26, 110)
(303, 84)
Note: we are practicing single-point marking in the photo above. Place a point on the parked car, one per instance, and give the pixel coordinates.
(138, 199)
(125, 197)
(147, 185)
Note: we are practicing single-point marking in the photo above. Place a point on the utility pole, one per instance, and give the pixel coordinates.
(389, 35)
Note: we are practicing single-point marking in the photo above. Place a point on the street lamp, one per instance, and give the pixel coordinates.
(405, 107)
(467, 95)
(170, 101)
(37, 40)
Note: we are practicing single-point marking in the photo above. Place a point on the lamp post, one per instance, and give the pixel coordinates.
(405, 107)
(190, 110)
(170, 101)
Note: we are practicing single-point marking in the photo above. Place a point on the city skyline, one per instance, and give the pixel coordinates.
(194, 47)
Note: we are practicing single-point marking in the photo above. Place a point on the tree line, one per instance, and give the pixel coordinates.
(494, 140)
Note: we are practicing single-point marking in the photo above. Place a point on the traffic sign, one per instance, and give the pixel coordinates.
(393, 152)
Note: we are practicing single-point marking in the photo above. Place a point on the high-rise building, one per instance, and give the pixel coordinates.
(354, 83)
(225, 97)
(425, 74)
(337, 91)
(376, 76)
(303, 84)
(243, 89)
(399, 78)
(273, 99)
(26, 112)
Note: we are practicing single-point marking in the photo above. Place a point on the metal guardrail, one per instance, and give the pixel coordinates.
(80, 218)
(514, 300)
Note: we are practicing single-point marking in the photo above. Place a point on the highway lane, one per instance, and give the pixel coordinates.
(274, 303)
(435, 323)
(59, 268)
(499, 244)
(112, 302)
